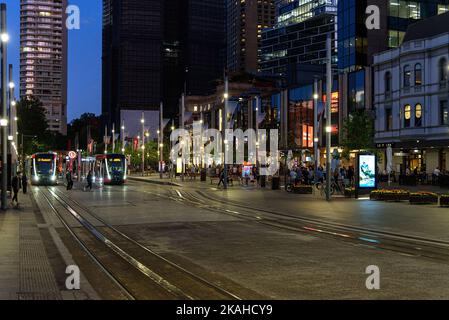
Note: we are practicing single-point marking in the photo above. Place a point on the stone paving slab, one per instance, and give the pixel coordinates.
(25, 271)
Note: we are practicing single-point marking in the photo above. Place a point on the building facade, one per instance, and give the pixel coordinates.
(155, 50)
(411, 98)
(245, 21)
(299, 36)
(43, 58)
(357, 45)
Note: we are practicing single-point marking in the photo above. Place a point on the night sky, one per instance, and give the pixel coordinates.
(84, 74)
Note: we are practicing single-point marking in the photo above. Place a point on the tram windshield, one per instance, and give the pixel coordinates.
(44, 164)
(116, 165)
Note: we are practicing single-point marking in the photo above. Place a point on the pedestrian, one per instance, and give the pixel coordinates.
(15, 184)
(24, 183)
(222, 178)
(89, 181)
(69, 180)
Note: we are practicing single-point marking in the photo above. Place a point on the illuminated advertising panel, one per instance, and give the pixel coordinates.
(367, 171)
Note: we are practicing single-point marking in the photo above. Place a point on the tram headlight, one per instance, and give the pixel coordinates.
(53, 178)
(36, 178)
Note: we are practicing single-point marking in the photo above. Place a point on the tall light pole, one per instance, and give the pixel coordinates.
(315, 126)
(4, 122)
(223, 127)
(113, 137)
(161, 144)
(123, 136)
(181, 126)
(12, 121)
(258, 106)
(142, 121)
(328, 117)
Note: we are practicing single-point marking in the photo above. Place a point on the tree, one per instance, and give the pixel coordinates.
(32, 123)
(358, 132)
(86, 122)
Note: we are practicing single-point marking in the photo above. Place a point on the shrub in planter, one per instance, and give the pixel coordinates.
(423, 198)
(444, 200)
(349, 192)
(390, 195)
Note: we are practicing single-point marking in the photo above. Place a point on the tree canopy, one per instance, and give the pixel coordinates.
(358, 132)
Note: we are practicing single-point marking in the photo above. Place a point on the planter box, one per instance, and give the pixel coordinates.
(423, 199)
(444, 201)
(349, 193)
(390, 197)
(303, 190)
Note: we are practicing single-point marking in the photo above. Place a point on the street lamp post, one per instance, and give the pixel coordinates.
(113, 137)
(4, 122)
(161, 145)
(12, 117)
(328, 117)
(315, 127)
(258, 106)
(223, 127)
(142, 121)
(123, 137)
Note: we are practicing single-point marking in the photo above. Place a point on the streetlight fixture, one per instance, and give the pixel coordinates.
(4, 37)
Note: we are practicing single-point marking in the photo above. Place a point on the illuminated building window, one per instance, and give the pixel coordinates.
(407, 116)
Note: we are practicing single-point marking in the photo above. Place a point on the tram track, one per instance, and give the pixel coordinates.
(139, 272)
(407, 245)
(403, 244)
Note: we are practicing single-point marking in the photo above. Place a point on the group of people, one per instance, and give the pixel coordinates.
(306, 175)
(19, 181)
(89, 181)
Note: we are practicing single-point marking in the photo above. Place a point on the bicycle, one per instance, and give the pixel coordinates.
(339, 187)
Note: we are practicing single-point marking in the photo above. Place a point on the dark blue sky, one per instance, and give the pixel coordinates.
(84, 74)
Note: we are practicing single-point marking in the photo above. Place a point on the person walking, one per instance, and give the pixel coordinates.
(222, 174)
(15, 184)
(89, 181)
(24, 183)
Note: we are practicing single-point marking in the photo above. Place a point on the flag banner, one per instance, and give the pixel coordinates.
(107, 140)
(187, 116)
(261, 118)
(232, 106)
(165, 123)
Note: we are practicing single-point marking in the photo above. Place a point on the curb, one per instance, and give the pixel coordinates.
(164, 183)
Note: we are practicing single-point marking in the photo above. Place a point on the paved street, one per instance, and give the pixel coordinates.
(253, 253)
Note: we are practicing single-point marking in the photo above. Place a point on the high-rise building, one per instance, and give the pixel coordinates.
(299, 36)
(245, 21)
(357, 45)
(43, 58)
(154, 50)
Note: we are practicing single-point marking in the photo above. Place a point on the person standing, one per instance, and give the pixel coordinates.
(24, 183)
(15, 184)
(69, 180)
(89, 181)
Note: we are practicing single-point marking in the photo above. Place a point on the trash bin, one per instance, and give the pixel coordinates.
(203, 175)
(276, 183)
(263, 181)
